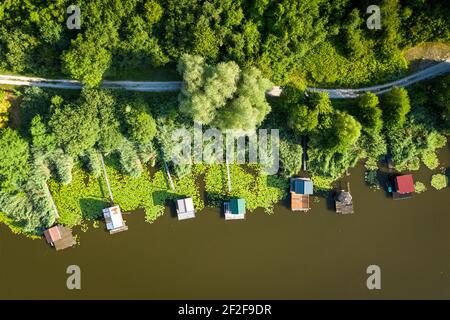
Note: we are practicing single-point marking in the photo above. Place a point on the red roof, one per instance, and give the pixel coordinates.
(405, 184)
(52, 234)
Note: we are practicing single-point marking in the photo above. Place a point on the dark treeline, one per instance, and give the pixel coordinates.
(317, 40)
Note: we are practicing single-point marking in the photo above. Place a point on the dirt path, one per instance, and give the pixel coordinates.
(152, 86)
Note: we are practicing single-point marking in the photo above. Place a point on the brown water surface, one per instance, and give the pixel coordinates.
(283, 256)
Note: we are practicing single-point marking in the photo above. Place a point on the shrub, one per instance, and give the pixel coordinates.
(129, 160)
(439, 181)
(4, 106)
(371, 178)
(430, 159)
(420, 187)
(290, 157)
(322, 183)
(63, 164)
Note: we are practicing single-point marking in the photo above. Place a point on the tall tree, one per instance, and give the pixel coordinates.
(76, 128)
(222, 95)
(368, 112)
(396, 106)
(14, 155)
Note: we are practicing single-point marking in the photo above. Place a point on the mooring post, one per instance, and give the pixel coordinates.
(228, 174)
(168, 175)
(304, 153)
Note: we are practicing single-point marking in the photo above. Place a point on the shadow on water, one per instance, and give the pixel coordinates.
(383, 178)
(217, 200)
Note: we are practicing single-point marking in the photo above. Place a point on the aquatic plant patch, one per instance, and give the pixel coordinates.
(249, 183)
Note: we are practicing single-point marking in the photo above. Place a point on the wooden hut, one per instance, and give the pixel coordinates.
(343, 202)
(185, 209)
(59, 237)
(114, 220)
(403, 187)
(235, 209)
(300, 189)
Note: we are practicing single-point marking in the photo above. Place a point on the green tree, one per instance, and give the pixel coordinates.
(41, 138)
(249, 107)
(102, 105)
(303, 120)
(222, 95)
(320, 102)
(142, 126)
(395, 105)
(368, 113)
(345, 130)
(76, 128)
(87, 60)
(355, 42)
(14, 156)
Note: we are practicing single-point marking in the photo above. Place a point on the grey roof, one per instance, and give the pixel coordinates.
(344, 197)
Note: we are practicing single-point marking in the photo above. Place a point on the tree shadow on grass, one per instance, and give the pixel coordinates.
(165, 198)
(282, 185)
(217, 200)
(92, 208)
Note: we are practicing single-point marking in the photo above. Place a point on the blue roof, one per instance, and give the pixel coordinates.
(303, 186)
(237, 206)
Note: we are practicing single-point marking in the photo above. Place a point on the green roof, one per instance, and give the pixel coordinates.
(237, 206)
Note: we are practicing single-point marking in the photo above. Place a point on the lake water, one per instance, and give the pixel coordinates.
(283, 256)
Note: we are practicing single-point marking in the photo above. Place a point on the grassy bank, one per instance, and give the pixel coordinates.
(85, 197)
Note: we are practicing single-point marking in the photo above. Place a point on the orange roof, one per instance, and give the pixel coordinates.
(299, 201)
(115, 210)
(52, 234)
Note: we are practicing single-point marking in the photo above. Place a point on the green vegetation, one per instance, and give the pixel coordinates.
(439, 181)
(423, 131)
(222, 95)
(333, 134)
(420, 187)
(371, 178)
(12, 225)
(14, 153)
(228, 54)
(86, 196)
(258, 189)
(318, 41)
(60, 137)
(4, 107)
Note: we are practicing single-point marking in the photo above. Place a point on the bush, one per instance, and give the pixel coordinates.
(290, 157)
(4, 106)
(129, 160)
(322, 183)
(420, 187)
(439, 181)
(63, 164)
(371, 178)
(430, 159)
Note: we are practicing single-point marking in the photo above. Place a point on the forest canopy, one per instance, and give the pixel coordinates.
(324, 42)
